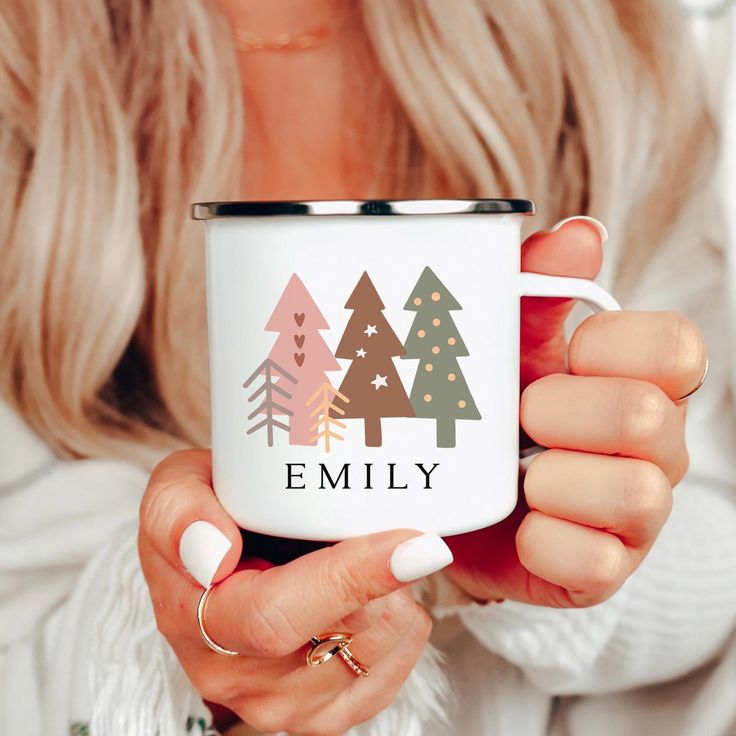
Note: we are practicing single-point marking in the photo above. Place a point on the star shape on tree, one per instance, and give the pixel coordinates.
(360, 353)
(370, 330)
(379, 381)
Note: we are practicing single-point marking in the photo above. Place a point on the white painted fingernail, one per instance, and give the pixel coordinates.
(202, 548)
(420, 556)
(584, 218)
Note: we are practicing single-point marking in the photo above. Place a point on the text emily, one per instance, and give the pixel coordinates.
(360, 476)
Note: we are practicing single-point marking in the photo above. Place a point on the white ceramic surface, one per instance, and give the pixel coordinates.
(284, 489)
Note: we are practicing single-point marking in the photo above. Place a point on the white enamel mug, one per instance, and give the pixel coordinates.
(364, 362)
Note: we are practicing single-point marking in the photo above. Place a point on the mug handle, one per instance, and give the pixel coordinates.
(538, 284)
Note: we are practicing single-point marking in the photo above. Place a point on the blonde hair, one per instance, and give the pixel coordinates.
(114, 117)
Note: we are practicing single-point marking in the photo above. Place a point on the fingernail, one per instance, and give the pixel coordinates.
(597, 224)
(420, 556)
(202, 548)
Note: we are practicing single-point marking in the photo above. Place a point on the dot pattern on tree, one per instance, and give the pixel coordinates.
(440, 390)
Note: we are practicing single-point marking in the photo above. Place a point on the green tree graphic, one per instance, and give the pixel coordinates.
(440, 390)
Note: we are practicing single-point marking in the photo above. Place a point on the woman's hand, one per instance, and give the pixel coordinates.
(268, 613)
(592, 505)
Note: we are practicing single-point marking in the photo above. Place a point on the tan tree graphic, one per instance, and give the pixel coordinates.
(322, 428)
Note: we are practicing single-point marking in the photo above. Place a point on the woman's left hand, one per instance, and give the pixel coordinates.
(592, 505)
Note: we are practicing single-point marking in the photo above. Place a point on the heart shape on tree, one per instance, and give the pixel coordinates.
(299, 340)
(299, 358)
(299, 318)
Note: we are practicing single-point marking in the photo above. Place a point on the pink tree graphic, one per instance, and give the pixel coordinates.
(302, 351)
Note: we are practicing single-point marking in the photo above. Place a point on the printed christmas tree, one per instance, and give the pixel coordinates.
(440, 391)
(300, 350)
(272, 394)
(372, 381)
(324, 414)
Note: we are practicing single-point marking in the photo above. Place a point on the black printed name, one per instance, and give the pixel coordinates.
(359, 476)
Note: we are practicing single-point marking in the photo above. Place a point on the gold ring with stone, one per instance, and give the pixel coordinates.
(325, 646)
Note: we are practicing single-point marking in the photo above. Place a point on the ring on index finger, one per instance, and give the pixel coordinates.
(325, 646)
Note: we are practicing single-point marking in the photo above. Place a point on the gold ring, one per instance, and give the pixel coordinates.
(700, 383)
(328, 645)
(200, 620)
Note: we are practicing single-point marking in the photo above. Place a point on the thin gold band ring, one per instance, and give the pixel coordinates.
(700, 383)
(200, 620)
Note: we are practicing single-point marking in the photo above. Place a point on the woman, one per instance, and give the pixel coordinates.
(114, 117)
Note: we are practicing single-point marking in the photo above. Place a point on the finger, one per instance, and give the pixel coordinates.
(287, 690)
(629, 498)
(573, 250)
(252, 685)
(391, 623)
(615, 416)
(309, 699)
(664, 348)
(292, 695)
(274, 612)
(374, 611)
(180, 493)
(589, 563)
(176, 597)
(368, 696)
(399, 614)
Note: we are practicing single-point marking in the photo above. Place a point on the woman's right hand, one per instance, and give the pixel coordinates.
(269, 615)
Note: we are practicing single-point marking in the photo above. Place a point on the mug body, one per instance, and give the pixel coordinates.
(364, 363)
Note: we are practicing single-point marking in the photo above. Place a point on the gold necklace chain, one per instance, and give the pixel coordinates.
(248, 41)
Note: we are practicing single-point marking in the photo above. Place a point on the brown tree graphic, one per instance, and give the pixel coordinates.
(372, 381)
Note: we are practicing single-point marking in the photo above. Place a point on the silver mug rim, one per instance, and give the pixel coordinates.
(369, 207)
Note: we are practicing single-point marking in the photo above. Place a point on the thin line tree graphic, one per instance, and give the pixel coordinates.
(322, 428)
(271, 372)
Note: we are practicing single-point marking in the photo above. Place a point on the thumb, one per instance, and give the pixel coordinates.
(286, 604)
(185, 523)
(572, 247)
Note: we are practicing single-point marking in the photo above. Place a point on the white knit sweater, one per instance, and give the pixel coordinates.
(80, 652)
